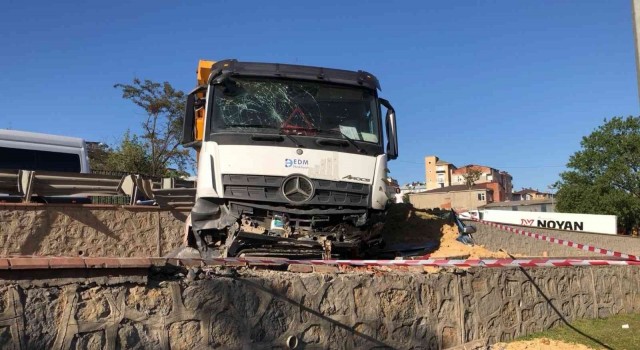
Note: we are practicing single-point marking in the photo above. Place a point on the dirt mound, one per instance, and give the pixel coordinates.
(407, 225)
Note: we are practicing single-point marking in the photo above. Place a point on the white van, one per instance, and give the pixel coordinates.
(35, 151)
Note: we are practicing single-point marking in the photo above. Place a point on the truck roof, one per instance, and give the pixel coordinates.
(40, 138)
(340, 76)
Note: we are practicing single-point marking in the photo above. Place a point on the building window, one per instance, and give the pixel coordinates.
(440, 178)
(481, 196)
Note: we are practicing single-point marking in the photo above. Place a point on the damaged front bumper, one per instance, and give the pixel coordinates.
(228, 228)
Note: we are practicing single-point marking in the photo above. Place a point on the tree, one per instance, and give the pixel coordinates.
(162, 126)
(98, 153)
(471, 175)
(130, 157)
(604, 176)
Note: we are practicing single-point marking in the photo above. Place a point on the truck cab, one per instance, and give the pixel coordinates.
(292, 160)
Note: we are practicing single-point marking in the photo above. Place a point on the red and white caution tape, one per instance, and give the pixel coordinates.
(563, 242)
(426, 262)
(31, 263)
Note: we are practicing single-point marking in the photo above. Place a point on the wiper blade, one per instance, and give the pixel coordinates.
(345, 137)
(344, 141)
(353, 143)
(295, 141)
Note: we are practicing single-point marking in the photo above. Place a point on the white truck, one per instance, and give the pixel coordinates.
(292, 160)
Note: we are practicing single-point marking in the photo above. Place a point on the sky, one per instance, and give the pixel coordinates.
(513, 85)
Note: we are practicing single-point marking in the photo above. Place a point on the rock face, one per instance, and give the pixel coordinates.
(261, 309)
(89, 230)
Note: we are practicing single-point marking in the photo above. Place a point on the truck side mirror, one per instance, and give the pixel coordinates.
(392, 135)
(189, 120)
(189, 124)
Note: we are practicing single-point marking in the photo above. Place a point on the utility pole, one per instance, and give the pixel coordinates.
(635, 10)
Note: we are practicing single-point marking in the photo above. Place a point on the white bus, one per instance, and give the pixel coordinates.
(35, 151)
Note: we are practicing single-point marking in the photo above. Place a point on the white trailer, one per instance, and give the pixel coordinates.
(606, 224)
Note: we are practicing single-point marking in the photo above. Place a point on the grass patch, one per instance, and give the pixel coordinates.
(604, 333)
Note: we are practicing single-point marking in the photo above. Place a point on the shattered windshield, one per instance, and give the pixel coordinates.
(296, 108)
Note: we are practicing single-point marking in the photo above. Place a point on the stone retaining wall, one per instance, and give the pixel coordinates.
(89, 230)
(493, 239)
(235, 309)
(139, 231)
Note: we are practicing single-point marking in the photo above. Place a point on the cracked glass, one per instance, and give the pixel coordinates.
(295, 107)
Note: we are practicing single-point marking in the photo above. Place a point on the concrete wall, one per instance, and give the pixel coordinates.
(494, 239)
(258, 309)
(89, 230)
(546, 205)
(465, 199)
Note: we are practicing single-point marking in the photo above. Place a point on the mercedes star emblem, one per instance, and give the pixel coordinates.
(297, 189)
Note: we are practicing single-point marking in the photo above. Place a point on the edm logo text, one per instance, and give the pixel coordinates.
(296, 163)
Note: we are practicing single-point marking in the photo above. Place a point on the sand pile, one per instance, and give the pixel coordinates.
(449, 247)
(407, 225)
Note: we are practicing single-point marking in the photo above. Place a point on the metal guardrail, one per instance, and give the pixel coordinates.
(175, 197)
(44, 184)
(31, 186)
(9, 183)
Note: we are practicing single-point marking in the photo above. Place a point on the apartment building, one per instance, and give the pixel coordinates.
(440, 174)
(500, 182)
(446, 186)
(527, 194)
(437, 172)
